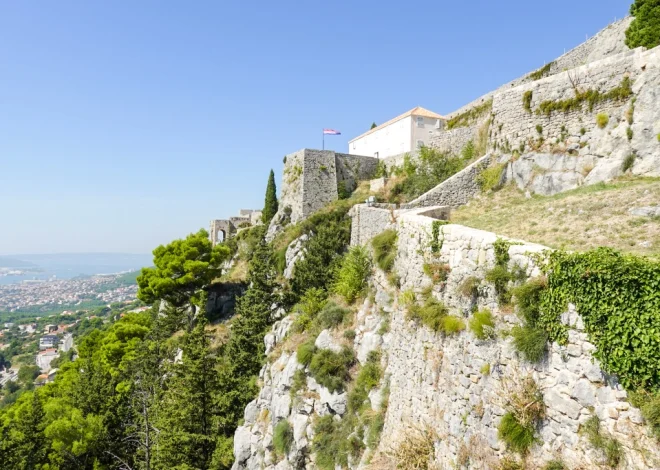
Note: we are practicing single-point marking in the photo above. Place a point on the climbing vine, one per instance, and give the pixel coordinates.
(436, 241)
(618, 298)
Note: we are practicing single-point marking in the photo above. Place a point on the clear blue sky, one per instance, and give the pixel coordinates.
(126, 124)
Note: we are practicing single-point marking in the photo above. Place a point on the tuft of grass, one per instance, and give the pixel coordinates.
(416, 450)
(349, 335)
(482, 324)
(331, 369)
(305, 352)
(438, 272)
(351, 278)
(610, 447)
(407, 298)
(299, 382)
(629, 133)
(490, 179)
(628, 162)
(525, 410)
(517, 436)
(500, 276)
(542, 72)
(452, 325)
(649, 404)
(527, 101)
(310, 304)
(282, 437)
(485, 369)
(331, 316)
(590, 96)
(555, 465)
(530, 341)
(430, 314)
(509, 463)
(384, 245)
(468, 117)
(602, 120)
(528, 299)
(583, 131)
(469, 287)
(539, 128)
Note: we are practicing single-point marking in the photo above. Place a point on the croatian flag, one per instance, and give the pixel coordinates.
(331, 132)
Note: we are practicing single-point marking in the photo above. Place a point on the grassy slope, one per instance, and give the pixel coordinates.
(579, 220)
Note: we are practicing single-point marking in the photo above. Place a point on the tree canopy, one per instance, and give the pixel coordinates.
(645, 28)
(270, 204)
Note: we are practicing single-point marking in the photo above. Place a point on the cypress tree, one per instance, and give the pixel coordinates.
(270, 205)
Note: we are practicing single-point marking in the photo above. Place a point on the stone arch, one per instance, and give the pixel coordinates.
(221, 230)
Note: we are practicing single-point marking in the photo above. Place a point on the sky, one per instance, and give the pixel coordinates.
(124, 124)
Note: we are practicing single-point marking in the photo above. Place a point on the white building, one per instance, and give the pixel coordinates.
(66, 343)
(44, 358)
(404, 133)
(48, 342)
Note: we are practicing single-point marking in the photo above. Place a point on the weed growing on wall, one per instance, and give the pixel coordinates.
(282, 437)
(384, 245)
(351, 279)
(525, 411)
(591, 97)
(602, 119)
(610, 447)
(438, 272)
(542, 72)
(331, 369)
(466, 118)
(482, 324)
(527, 100)
(490, 179)
(628, 162)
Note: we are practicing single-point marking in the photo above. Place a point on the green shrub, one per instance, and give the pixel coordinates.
(539, 128)
(629, 133)
(280, 260)
(644, 30)
(376, 425)
(466, 118)
(305, 352)
(452, 325)
(530, 341)
(430, 314)
(555, 465)
(485, 369)
(349, 335)
(628, 162)
(407, 298)
(384, 246)
(500, 276)
(583, 131)
(509, 463)
(470, 287)
(310, 304)
(590, 96)
(438, 272)
(482, 324)
(370, 374)
(352, 276)
(528, 299)
(602, 120)
(517, 436)
(342, 191)
(527, 100)
(468, 151)
(610, 447)
(282, 437)
(325, 443)
(542, 72)
(299, 382)
(490, 179)
(331, 316)
(331, 369)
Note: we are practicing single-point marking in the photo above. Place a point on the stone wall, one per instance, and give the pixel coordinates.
(367, 222)
(453, 140)
(311, 177)
(456, 190)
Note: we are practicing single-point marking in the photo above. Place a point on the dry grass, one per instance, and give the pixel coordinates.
(578, 220)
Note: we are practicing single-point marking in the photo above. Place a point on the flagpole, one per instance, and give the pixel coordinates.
(323, 138)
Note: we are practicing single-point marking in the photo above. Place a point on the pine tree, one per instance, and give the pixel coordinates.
(188, 410)
(373, 125)
(26, 447)
(270, 205)
(645, 28)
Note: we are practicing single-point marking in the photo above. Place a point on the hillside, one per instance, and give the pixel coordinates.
(576, 220)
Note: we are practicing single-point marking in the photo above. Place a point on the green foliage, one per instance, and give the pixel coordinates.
(583, 131)
(452, 325)
(299, 382)
(385, 246)
(331, 369)
(644, 30)
(591, 97)
(500, 277)
(539, 128)
(602, 119)
(407, 298)
(182, 269)
(305, 352)
(381, 170)
(649, 405)
(509, 463)
(373, 125)
(270, 202)
(542, 72)
(528, 298)
(527, 100)
(431, 168)
(430, 314)
(342, 191)
(376, 425)
(629, 133)
(331, 316)
(469, 287)
(618, 298)
(436, 241)
(482, 324)
(349, 335)
(333, 442)
(468, 152)
(525, 411)
(438, 272)
(628, 162)
(310, 304)
(530, 341)
(282, 437)
(485, 369)
(368, 378)
(329, 235)
(466, 118)
(610, 447)
(555, 465)
(490, 179)
(27, 374)
(352, 276)
(517, 436)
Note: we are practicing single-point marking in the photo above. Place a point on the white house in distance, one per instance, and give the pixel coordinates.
(404, 133)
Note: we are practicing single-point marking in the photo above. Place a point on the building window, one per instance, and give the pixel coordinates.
(420, 121)
(353, 145)
(376, 154)
(420, 144)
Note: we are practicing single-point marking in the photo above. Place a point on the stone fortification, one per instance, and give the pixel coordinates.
(456, 386)
(313, 178)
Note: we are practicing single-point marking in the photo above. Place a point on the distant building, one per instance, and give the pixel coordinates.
(44, 358)
(404, 133)
(49, 328)
(48, 342)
